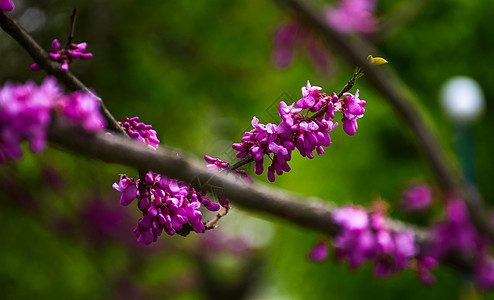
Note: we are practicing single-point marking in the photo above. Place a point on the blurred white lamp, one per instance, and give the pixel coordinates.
(462, 100)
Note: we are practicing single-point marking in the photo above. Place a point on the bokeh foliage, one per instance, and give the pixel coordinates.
(198, 71)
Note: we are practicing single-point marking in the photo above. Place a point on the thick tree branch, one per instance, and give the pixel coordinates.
(41, 57)
(116, 149)
(310, 213)
(395, 92)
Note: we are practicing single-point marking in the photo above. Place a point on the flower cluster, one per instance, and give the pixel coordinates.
(353, 16)
(363, 237)
(299, 131)
(65, 55)
(6, 5)
(25, 112)
(166, 204)
(140, 131)
(216, 164)
(457, 234)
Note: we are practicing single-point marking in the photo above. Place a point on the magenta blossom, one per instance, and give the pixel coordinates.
(6, 5)
(128, 188)
(83, 108)
(319, 252)
(25, 115)
(65, 55)
(353, 109)
(26, 111)
(141, 132)
(166, 205)
(298, 130)
(417, 197)
(353, 16)
(363, 238)
(292, 36)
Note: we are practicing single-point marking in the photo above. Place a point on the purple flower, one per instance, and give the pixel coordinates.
(83, 109)
(417, 197)
(362, 238)
(456, 233)
(310, 95)
(353, 109)
(484, 273)
(285, 38)
(289, 37)
(320, 252)
(128, 188)
(166, 205)
(25, 115)
(141, 132)
(6, 5)
(395, 256)
(65, 55)
(298, 130)
(353, 16)
(424, 266)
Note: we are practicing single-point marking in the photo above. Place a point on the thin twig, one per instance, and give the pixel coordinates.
(10, 26)
(72, 28)
(213, 223)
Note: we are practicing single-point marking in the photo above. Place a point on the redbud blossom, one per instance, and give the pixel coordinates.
(6, 5)
(289, 37)
(363, 237)
(353, 16)
(417, 197)
(166, 205)
(320, 252)
(299, 131)
(25, 113)
(65, 55)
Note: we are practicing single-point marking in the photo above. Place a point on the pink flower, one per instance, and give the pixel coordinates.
(6, 5)
(417, 197)
(320, 252)
(65, 55)
(83, 109)
(25, 115)
(353, 16)
(292, 36)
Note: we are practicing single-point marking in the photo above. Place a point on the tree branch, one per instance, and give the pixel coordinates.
(307, 212)
(399, 97)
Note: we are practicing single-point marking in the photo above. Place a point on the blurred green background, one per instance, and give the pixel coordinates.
(198, 71)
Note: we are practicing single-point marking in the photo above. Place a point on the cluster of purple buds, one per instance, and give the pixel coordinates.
(65, 55)
(140, 131)
(456, 234)
(6, 5)
(299, 131)
(216, 164)
(365, 237)
(166, 205)
(25, 113)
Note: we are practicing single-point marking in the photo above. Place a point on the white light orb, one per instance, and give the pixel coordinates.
(462, 99)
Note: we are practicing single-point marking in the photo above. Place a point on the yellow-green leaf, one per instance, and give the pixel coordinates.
(376, 60)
